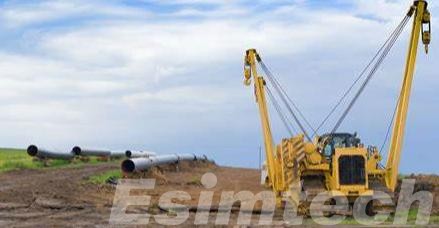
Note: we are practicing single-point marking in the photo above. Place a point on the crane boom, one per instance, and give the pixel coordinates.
(422, 16)
(250, 70)
(336, 161)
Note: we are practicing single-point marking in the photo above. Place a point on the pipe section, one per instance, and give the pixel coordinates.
(117, 154)
(145, 163)
(89, 152)
(34, 151)
(138, 153)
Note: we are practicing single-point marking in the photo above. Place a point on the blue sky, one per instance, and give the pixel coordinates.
(166, 76)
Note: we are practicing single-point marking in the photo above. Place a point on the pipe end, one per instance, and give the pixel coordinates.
(32, 150)
(128, 166)
(128, 153)
(76, 150)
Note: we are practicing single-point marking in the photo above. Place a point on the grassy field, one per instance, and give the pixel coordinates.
(103, 177)
(411, 219)
(15, 159)
(12, 159)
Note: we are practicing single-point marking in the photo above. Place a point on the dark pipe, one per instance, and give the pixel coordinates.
(76, 150)
(128, 166)
(32, 150)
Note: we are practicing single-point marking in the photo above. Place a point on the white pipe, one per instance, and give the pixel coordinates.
(117, 154)
(144, 163)
(138, 153)
(90, 152)
(34, 151)
(187, 157)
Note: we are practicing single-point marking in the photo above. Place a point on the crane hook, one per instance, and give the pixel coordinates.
(247, 70)
(247, 76)
(426, 33)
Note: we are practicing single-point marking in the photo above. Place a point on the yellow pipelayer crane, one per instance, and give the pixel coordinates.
(336, 162)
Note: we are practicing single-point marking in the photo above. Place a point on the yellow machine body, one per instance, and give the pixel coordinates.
(348, 170)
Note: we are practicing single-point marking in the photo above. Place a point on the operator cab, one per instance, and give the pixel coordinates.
(349, 160)
(331, 141)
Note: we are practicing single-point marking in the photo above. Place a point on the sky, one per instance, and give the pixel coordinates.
(166, 75)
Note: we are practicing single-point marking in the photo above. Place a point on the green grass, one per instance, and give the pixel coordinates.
(12, 159)
(411, 219)
(16, 159)
(434, 219)
(195, 180)
(102, 177)
(413, 213)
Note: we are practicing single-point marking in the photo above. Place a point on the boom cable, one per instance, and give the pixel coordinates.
(278, 109)
(372, 72)
(401, 24)
(286, 99)
(389, 126)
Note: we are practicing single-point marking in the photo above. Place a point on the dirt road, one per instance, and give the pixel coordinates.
(65, 197)
(50, 197)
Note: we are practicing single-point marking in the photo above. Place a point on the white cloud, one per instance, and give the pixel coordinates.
(383, 9)
(151, 76)
(25, 76)
(192, 95)
(180, 2)
(46, 11)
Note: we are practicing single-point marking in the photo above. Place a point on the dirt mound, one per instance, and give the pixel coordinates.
(428, 183)
(64, 197)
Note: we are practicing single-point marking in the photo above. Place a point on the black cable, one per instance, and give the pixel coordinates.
(281, 95)
(268, 72)
(360, 75)
(389, 126)
(370, 75)
(279, 111)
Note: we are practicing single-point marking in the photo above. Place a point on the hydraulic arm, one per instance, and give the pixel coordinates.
(250, 70)
(421, 18)
(336, 162)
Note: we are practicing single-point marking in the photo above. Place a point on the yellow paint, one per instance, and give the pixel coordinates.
(394, 155)
(294, 158)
